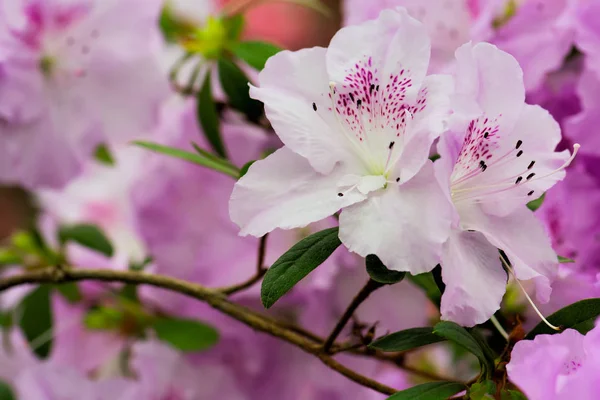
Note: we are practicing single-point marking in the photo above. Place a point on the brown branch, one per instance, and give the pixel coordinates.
(212, 297)
(369, 288)
(261, 270)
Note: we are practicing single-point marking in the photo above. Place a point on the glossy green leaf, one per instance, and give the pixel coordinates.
(406, 339)
(430, 391)
(223, 167)
(460, 336)
(579, 316)
(36, 320)
(235, 84)
(6, 392)
(206, 110)
(87, 235)
(296, 263)
(482, 390)
(185, 334)
(380, 273)
(255, 53)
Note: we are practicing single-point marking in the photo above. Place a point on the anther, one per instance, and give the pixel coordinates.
(359, 103)
(351, 96)
(371, 88)
(530, 193)
(531, 165)
(519, 143)
(377, 88)
(398, 179)
(519, 153)
(530, 176)
(519, 179)
(391, 145)
(485, 135)
(340, 194)
(314, 107)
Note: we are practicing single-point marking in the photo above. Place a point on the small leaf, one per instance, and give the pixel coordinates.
(255, 53)
(36, 320)
(235, 85)
(6, 392)
(380, 273)
(459, 335)
(87, 235)
(482, 390)
(70, 291)
(209, 117)
(104, 318)
(565, 260)
(579, 316)
(185, 334)
(537, 203)
(296, 263)
(9, 257)
(103, 155)
(430, 391)
(406, 339)
(426, 282)
(246, 167)
(222, 166)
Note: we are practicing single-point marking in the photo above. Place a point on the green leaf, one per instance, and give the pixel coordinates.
(482, 390)
(185, 334)
(87, 235)
(206, 110)
(429, 391)
(104, 318)
(36, 320)
(380, 273)
(459, 335)
(6, 392)
(9, 257)
(222, 167)
(537, 203)
(427, 283)
(296, 263)
(70, 291)
(406, 339)
(565, 260)
(235, 85)
(579, 316)
(255, 53)
(246, 167)
(103, 155)
(234, 25)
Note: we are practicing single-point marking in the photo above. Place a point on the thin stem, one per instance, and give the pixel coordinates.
(499, 327)
(212, 297)
(369, 288)
(260, 270)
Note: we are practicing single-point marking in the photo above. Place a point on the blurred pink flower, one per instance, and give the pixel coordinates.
(74, 74)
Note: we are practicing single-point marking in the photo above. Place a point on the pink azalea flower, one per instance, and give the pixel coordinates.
(556, 367)
(357, 120)
(502, 159)
(72, 75)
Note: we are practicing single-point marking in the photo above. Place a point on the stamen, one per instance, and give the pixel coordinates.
(520, 153)
(519, 179)
(314, 107)
(531, 164)
(510, 270)
(519, 143)
(499, 327)
(530, 176)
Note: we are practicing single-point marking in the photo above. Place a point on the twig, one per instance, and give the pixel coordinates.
(215, 299)
(369, 288)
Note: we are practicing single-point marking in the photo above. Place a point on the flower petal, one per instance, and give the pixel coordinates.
(284, 191)
(295, 89)
(404, 225)
(474, 277)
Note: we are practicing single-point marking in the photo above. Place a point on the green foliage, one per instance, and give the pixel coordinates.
(235, 84)
(36, 320)
(533, 205)
(6, 392)
(482, 390)
(429, 391)
(460, 336)
(565, 260)
(87, 235)
(406, 339)
(104, 156)
(380, 273)
(220, 165)
(246, 167)
(208, 117)
(426, 282)
(9, 257)
(70, 291)
(579, 316)
(296, 263)
(255, 53)
(185, 334)
(104, 318)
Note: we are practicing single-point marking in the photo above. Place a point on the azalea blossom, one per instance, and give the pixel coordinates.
(357, 120)
(501, 160)
(73, 75)
(560, 366)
